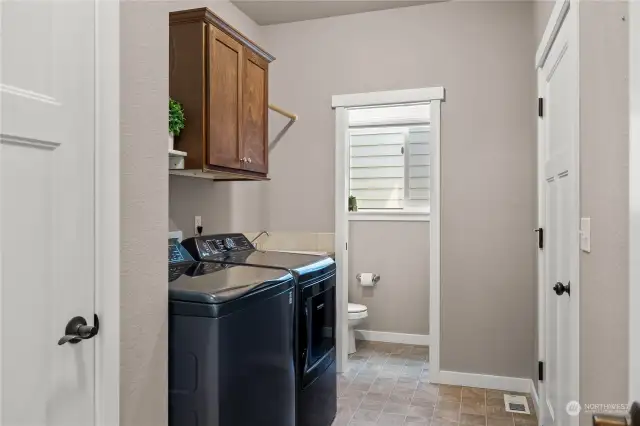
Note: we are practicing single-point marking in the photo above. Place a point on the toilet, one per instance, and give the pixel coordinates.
(357, 313)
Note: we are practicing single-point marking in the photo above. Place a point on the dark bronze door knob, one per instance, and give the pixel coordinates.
(561, 289)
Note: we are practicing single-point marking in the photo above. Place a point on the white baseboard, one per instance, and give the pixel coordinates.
(514, 384)
(534, 397)
(389, 337)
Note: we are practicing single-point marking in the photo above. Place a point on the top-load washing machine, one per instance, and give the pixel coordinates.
(315, 332)
(231, 344)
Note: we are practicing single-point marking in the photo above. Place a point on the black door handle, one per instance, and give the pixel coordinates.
(560, 289)
(77, 330)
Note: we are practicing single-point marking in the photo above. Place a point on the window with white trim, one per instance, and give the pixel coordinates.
(389, 164)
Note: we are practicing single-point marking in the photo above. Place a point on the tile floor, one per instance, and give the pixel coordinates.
(387, 384)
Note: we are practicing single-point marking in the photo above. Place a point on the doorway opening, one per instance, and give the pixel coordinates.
(388, 170)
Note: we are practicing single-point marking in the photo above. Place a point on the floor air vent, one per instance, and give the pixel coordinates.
(516, 404)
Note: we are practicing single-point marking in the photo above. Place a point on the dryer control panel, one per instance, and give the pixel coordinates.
(215, 246)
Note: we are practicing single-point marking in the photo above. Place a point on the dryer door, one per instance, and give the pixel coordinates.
(319, 301)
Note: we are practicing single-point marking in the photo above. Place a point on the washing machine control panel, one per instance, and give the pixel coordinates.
(177, 253)
(214, 246)
(179, 259)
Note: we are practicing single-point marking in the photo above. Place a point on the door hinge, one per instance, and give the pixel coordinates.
(541, 371)
(540, 232)
(540, 107)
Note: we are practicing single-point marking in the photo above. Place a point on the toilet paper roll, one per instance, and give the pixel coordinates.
(366, 279)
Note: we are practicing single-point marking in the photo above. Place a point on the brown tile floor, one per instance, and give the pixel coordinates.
(388, 384)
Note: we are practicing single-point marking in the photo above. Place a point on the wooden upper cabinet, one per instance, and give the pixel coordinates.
(221, 78)
(255, 152)
(225, 99)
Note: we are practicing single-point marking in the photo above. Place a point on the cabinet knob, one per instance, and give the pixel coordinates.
(249, 160)
(243, 159)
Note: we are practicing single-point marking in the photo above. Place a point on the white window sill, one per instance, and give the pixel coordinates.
(390, 216)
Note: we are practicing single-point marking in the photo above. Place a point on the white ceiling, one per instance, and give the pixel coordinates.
(268, 12)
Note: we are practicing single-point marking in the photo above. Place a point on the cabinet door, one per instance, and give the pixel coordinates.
(255, 86)
(225, 102)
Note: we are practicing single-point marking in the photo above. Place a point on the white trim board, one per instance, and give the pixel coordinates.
(634, 200)
(535, 399)
(341, 239)
(513, 384)
(389, 217)
(434, 244)
(559, 12)
(107, 206)
(391, 97)
(390, 337)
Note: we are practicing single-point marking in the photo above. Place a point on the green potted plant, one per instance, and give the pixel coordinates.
(353, 204)
(176, 120)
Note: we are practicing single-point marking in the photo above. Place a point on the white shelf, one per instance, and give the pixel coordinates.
(176, 159)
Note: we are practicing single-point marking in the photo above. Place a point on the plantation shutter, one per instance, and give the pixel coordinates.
(419, 159)
(377, 168)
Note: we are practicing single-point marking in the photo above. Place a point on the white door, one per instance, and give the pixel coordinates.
(46, 210)
(559, 211)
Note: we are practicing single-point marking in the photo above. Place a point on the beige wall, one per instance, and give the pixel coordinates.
(604, 126)
(541, 13)
(144, 199)
(189, 197)
(144, 50)
(482, 53)
(399, 253)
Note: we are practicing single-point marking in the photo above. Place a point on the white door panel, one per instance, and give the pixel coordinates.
(47, 276)
(559, 198)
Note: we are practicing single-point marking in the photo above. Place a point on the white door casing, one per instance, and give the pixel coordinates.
(634, 201)
(52, 176)
(558, 199)
(342, 240)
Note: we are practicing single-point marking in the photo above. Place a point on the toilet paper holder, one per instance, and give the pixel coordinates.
(375, 278)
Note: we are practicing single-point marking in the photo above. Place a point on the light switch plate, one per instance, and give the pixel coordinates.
(585, 234)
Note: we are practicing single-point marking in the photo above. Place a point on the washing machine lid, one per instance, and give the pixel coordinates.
(237, 249)
(215, 283)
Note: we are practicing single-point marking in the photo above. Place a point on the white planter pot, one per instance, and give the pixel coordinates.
(170, 141)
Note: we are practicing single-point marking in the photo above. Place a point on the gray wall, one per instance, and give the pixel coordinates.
(541, 13)
(144, 50)
(604, 126)
(482, 53)
(144, 199)
(400, 301)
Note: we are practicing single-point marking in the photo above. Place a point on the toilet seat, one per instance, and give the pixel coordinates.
(357, 311)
